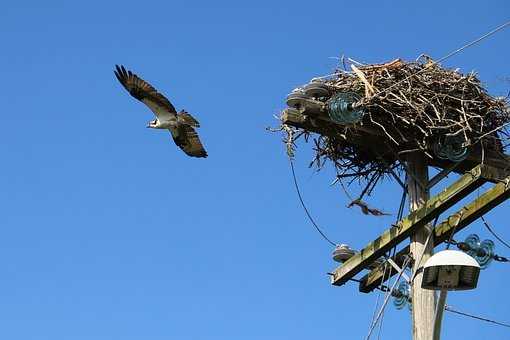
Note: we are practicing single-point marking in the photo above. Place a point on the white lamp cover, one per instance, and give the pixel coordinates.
(450, 270)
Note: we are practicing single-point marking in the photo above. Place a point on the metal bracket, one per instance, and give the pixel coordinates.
(398, 269)
(442, 174)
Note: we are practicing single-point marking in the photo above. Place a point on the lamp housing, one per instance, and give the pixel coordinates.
(450, 270)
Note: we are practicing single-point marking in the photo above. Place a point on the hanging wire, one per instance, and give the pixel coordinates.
(454, 229)
(402, 204)
(304, 206)
(451, 54)
(418, 263)
(466, 247)
(450, 309)
(400, 213)
(379, 295)
(345, 190)
(493, 233)
(386, 299)
(382, 316)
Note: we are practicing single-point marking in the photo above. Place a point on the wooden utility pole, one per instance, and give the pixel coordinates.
(423, 301)
(481, 166)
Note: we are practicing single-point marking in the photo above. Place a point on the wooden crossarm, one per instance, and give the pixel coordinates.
(455, 222)
(417, 219)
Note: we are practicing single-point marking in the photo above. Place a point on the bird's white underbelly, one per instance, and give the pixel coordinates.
(167, 124)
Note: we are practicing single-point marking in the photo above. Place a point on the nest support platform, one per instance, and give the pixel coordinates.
(370, 118)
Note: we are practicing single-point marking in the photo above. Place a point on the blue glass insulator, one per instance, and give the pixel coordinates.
(451, 147)
(340, 108)
(482, 252)
(485, 254)
(473, 241)
(401, 296)
(439, 151)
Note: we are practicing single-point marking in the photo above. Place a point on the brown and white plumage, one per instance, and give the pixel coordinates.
(181, 124)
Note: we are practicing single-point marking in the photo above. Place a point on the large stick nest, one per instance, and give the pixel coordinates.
(413, 106)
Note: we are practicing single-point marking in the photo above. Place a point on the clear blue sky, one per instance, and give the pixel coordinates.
(110, 232)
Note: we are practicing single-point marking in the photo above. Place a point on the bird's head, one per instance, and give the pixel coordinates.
(152, 124)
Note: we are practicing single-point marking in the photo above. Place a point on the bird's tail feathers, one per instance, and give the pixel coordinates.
(186, 118)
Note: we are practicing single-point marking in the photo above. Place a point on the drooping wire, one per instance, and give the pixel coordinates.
(304, 206)
(382, 316)
(345, 190)
(402, 205)
(466, 247)
(493, 233)
(386, 299)
(376, 307)
(450, 309)
(451, 54)
(449, 242)
(418, 262)
(400, 213)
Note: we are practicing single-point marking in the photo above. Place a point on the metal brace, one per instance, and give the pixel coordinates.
(445, 172)
(398, 269)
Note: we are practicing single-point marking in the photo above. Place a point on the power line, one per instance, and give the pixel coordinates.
(376, 307)
(304, 206)
(417, 266)
(493, 233)
(386, 299)
(402, 204)
(451, 54)
(382, 316)
(448, 308)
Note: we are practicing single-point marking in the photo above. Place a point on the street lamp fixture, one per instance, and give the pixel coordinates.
(450, 270)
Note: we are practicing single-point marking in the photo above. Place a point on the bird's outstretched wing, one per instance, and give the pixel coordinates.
(187, 139)
(144, 92)
(186, 118)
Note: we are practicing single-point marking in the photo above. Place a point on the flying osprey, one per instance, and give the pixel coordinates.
(181, 124)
